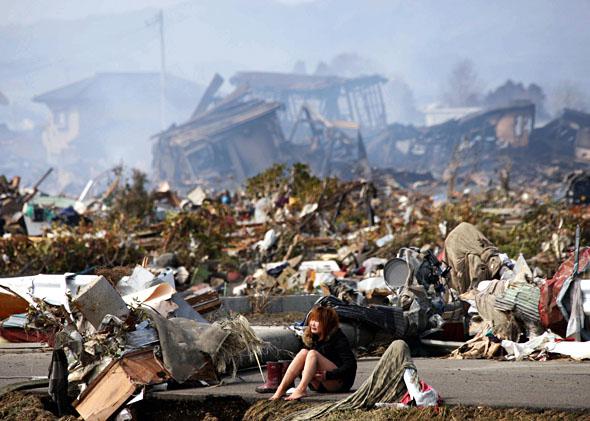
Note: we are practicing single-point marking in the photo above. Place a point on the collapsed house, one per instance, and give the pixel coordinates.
(564, 139)
(501, 143)
(223, 146)
(230, 139)
(358, 99)
(329, 147)
(467, 140)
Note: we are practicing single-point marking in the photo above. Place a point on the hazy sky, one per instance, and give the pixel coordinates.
(47, 43)
(30, 11)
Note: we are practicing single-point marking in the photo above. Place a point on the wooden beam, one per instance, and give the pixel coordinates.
(208, 96)
(349, 102)
(382, 103)
(367, 108)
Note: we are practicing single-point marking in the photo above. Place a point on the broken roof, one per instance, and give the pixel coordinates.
(579, 117)
(124, 84)
(524, 107)
(222, 118)
(297, 82)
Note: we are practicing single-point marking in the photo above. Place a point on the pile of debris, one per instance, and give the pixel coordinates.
(111, 340)
(515, 312)
(283, 213)
(291, 232)
(15, 215)
(392, 262)
(496, 144)
(470, 290)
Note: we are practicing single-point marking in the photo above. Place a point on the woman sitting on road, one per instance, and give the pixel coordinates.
(327, 363)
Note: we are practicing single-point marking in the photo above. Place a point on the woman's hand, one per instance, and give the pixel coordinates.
(320, 375)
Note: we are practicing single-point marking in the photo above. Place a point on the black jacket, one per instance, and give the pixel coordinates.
(337, 349)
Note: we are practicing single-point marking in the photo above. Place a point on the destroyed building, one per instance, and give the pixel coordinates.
(566, 138)
(497, 143)
(358, 99)
(329, 147)
(469, 138)
(99, 121)
(235, 137)
(223, 146)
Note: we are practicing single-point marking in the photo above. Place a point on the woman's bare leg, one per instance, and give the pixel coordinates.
(314, 361)
(294, 369)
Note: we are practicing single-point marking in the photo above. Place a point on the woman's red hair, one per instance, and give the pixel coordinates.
(327, 318)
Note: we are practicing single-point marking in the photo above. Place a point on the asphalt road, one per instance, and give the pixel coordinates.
(550, 384)
(21, 366)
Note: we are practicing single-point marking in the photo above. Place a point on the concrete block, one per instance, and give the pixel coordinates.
(240, 305)
(278, 304)
(301, 303)
(97, 299)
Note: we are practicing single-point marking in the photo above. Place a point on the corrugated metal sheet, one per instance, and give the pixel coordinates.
(524, 299)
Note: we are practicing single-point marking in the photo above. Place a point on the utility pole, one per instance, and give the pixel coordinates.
(162, 71)
(159, 20)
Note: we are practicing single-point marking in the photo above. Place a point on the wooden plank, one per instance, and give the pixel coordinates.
(197, 297)
(115, 385)
(208, 96)
(108, 396)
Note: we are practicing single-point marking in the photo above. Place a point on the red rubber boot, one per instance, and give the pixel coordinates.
(274, 371)
(285, 366)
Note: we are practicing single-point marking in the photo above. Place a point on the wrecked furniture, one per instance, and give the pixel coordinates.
(117, 383)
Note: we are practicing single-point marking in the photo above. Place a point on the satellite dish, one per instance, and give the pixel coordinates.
(396, 272)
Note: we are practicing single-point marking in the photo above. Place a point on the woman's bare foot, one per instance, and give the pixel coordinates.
(275, 397)
(297, 394)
